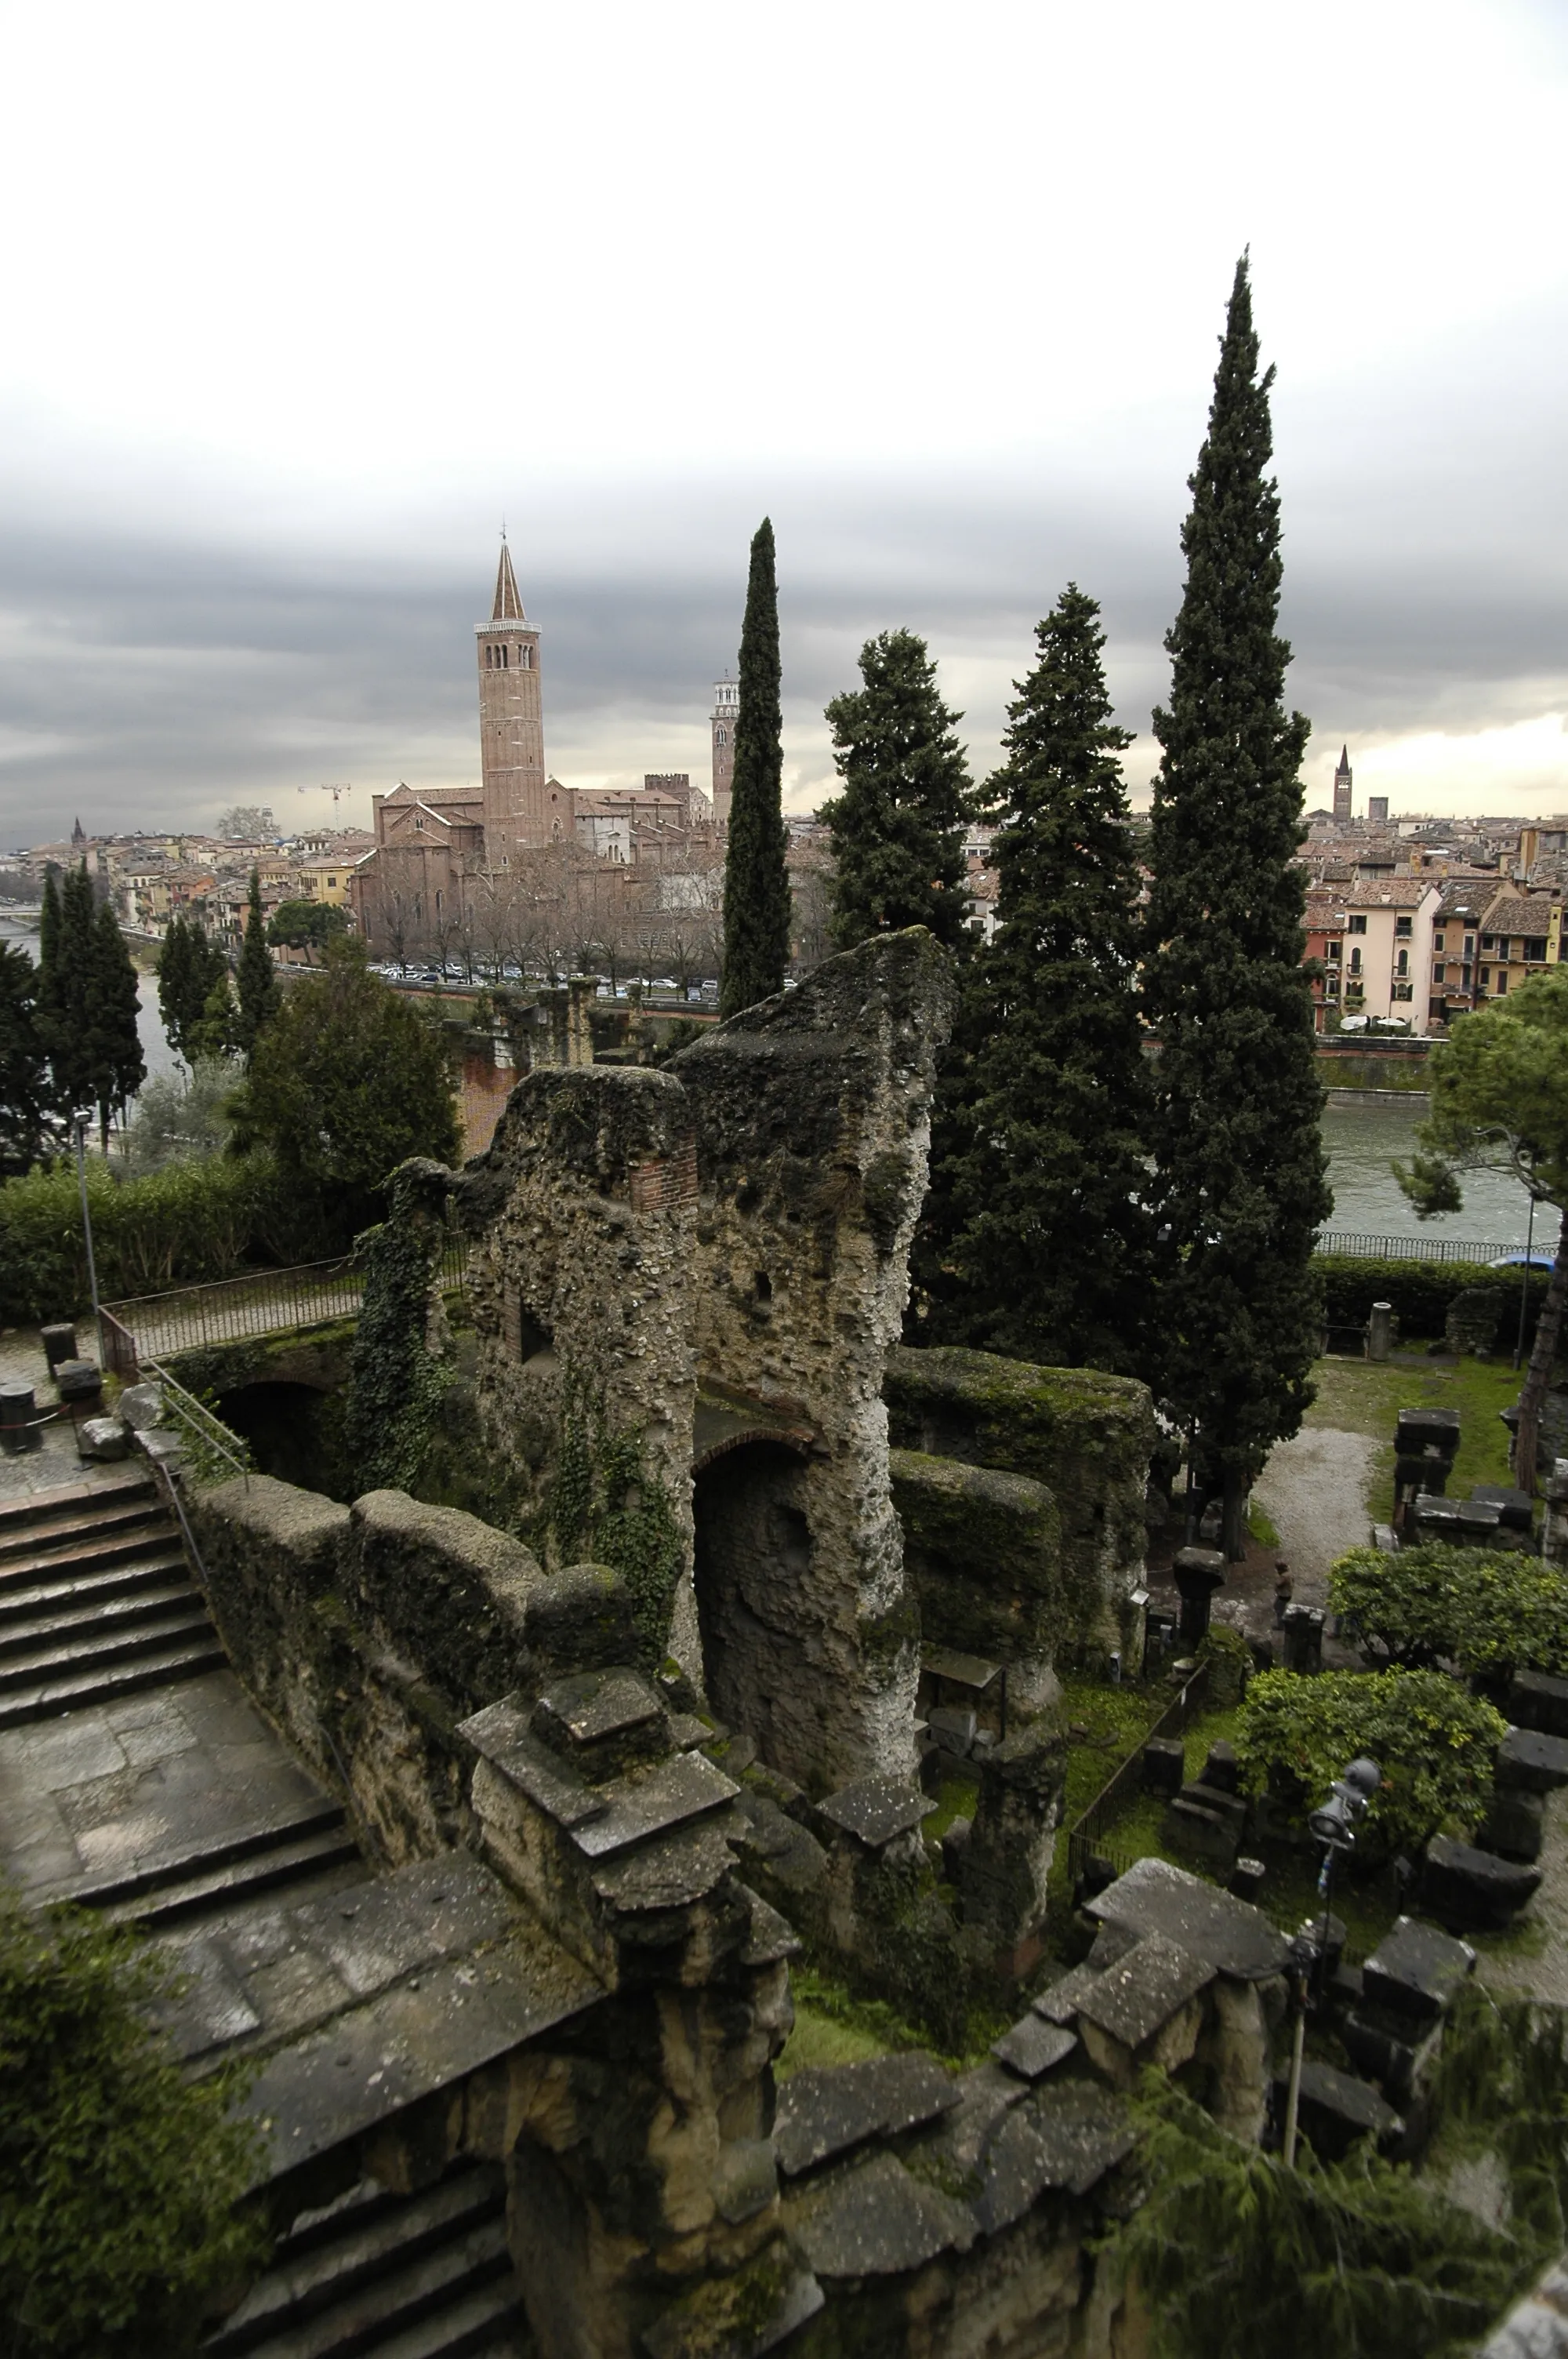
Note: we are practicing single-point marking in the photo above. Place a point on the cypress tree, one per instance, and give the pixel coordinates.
(189, 969)
(1241, 1186)
(257, 983)
(756, 882)
(898, 827)
(47, 1012)
(68, 1014)
(1037, 1242)
(118, 1067)
(24, 1062)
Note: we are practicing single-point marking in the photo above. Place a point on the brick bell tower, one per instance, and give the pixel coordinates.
(726, 712)
(511, 725)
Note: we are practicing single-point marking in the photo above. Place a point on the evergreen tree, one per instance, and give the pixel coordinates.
(1037, 1241)
(23, 1063)
(756, 882)
(68, 1000)
(47, 1011)
(189, 968)
(118, 1066)
(898, 827)
(1241, 1185)
(257, 983)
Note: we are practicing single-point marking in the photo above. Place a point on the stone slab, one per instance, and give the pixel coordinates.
(674, 1871)
(876, 2220)
(1132, 1999)
(1537, 1701)
(1230, 1935)
(874, 1810)
(772, 1937)
(210, 2009)
(986, 2096)
(738, 2316)
(1529, 1758)
(964, 1670)
(588, 1706)
(1416, 1971)
(1414, 1429)
(1340, 2108)
(652, 1802)
(1475, 1889)
(1034, 2047)
(1061, 2001)
(1068, 2136)
(403, 2044)
(501, 1735)
(410, 1919)
(827, 2109)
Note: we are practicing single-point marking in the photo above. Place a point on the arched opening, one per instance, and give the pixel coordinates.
(752, 1569)
(295, 1431)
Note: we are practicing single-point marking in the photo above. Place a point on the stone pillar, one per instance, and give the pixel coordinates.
(1199, 1571)
(1380, 1330)
(580, 993)
(1554, 1530)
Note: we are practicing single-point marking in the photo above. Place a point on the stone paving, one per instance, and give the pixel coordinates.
(53, 1461)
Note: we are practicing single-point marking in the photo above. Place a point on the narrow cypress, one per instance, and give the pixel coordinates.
(257, 983)
(1242, 1175)
(23, 1063)
(189, 969)
(118, 1067)
(69, 1004)
(1037, 1240)
(756, 882)
(898, 827)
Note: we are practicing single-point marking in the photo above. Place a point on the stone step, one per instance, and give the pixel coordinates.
(334, 2254)
(64, 1657)
(159, 1565)
(150, 1601)
(166, 1893)
(87, 1551)
(438, 2305)
(68, 1499)
(74, 1691)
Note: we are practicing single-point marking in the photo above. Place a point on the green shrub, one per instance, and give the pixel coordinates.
(1482, 1609)
(1420, 1291)
(191, 1222)
(119, 2178)
(1229, 1659)
(1238, 2257)
(1434, 1741)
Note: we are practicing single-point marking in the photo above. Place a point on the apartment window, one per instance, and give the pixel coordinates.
(1403, 991)
(1485, 978)
(1335, 949)
(1502, 981)
(437, 900)
(1437, 944)
(1440, 973)
(1403, 927)
(1402, 963)
(331, 884)
(1488, 942)
(418, 819)
(1356, 962)
(1534, 946)
(1469, 945)
(1359, 925)
(1331, 984)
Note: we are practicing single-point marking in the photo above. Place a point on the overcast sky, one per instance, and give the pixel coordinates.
(296, 304)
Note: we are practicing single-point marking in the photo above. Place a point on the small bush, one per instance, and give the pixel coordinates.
(1482, 1609)
(1434, 1741)
(119, 2178)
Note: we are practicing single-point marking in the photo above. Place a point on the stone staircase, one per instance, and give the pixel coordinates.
(401, 2276)
(96, 1601)
(211, 1879)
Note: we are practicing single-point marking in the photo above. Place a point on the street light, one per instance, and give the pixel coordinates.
(80, 1122)
(1332, 1825)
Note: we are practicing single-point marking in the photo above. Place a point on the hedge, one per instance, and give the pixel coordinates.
(190, 1223)
(1420, 1291)
(1486, 1610)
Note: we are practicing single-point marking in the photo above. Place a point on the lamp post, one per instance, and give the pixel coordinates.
(80, 1121)
(1524, 1283)
(1332, 1827)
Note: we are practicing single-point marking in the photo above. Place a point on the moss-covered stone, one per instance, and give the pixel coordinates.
(983, 1550)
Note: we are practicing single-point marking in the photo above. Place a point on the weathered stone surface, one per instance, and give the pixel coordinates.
(1164, 1762)
(101, 1438)
(876, 2220)
(1086, 1436)
(1034, 2047)
(453, 1590)
(1336, 2109)
(1066, 2135)
(1230, 1935)
(741, 2316)
(1532, 1761)
(1514, 1824)
(59, 1341)
(1536, 2327)
(580, 1620)
(1134, 1998)
(954, 1726)
(825, 2110)
(1416, 1971)
(1473, 1889)
(603, 1722)
(78, 1380)
(1059, 2001)
(1416, 1427)
(983, 1549)
(877, 1809)
(1007, 1860)
(1536, 1701)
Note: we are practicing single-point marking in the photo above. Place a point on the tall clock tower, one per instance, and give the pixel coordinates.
(726, 712)
(511, 725)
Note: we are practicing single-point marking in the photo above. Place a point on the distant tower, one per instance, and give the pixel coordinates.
(1376, 810)
(510, 723)
(1342, 788)
(726, 711)
(77, 836)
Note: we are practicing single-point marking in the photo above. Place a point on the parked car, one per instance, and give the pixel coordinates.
(1518, 1260)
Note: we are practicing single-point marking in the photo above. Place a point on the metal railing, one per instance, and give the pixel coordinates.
(1369, 1248)
(153, 1327)
(201, 1425)
(1087, 1835)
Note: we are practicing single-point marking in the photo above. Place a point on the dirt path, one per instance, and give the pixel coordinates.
(1314, 1491)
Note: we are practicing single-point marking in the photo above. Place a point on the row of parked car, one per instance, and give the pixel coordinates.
(664, 986)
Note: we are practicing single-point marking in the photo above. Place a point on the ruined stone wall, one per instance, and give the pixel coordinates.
(1087, 1437)
(811, 1118)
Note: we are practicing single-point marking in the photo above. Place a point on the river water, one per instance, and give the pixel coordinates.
(1363, 1142)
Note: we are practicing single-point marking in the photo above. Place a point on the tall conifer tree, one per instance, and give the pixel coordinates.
(68, 994)
(756, 882)
(1036, 1240)
(118, 1066)
(48, 1009)
(257, 984)
(898, 827)
(1241, 1184)
(189, 968)
(23, 1063)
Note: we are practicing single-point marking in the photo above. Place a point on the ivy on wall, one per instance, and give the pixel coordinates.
(398, 1383)
(604, 1507)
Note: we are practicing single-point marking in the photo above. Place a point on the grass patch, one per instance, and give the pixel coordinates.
(833, 2026)
(959, 1796)
(1261, 1525)
(1356, 1396)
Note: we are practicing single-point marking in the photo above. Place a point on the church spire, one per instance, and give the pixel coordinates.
(508, 605)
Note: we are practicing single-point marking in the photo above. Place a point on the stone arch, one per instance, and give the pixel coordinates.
(753, 1576)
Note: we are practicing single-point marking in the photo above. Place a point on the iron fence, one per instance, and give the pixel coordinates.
(232, 1309)
(200, 1424)
(1369, 1248)
(1087, 1835)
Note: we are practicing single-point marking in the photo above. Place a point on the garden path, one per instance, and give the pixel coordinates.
(1314, 1491)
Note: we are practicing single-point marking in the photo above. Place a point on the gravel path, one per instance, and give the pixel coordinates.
(1314, 1490)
